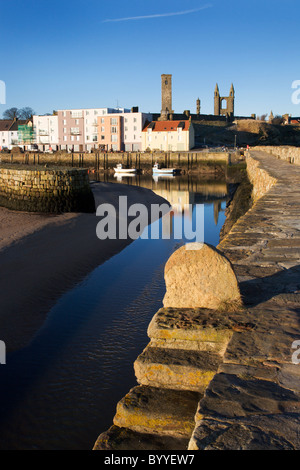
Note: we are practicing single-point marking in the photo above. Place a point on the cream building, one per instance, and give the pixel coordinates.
(46, 132)
(168, 136)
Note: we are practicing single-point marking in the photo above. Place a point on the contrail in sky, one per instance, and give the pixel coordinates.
(159, 15)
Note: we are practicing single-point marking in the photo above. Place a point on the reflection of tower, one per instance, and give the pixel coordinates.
(217, 210)
(166, 97)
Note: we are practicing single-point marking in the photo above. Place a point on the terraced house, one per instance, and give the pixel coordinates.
(78, 128)
(9, 132)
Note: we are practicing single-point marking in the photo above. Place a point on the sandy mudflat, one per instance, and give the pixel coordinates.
(16, 225)
(41, 257)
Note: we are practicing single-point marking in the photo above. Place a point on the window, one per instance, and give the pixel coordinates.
(65, 130)
(65, 138)
(74, 130)
(113, 121)
(102, 120)
(64, 114)
(114, 138)
(103, 137)
(77, 121)
(114, 130)
(78, 138)
(76, 114)
(102, 129)
(72, 138)
(87, 137)
(64, 122)
(95, 113)
(134, 120)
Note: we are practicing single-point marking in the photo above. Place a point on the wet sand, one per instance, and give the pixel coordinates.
(41, 257)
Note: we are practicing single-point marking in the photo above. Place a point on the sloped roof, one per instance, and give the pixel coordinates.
(16, 124)
(167, 126)
(5, 124)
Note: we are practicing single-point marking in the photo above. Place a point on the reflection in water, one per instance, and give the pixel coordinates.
(180, 191)
(61, 391)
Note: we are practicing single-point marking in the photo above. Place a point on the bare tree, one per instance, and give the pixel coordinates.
(11, 113)
(26, 113)
(23, 113)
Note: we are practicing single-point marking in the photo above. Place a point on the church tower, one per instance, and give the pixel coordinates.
(224, 105)
(230, 102)
(217, 101)
(166, 97)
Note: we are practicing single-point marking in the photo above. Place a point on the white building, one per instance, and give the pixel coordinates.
(5, 126)
(46, 132)
(9, 133)
(169, 136)
(134, 124)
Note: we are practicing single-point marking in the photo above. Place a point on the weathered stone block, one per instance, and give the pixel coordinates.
(200, 277)
(176, 369)
(124, 439)
(151, 410)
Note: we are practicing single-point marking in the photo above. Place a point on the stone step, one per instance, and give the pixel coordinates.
(120, 439)
(151, 410)
(176, 369)
(195, 329)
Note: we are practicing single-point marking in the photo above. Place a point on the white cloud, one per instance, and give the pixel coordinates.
(159, 15)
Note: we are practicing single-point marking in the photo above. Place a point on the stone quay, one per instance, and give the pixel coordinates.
(224, 378)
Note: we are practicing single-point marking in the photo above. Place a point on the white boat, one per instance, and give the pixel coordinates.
(119, 169)
(166, 171)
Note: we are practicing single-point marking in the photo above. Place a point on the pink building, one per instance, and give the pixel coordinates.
(71, 130)
(110, 132)
(122, 132)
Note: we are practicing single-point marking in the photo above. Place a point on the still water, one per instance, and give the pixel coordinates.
(61, 391)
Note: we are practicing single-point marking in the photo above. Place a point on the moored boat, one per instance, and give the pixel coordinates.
(158, 170)
(119, 169)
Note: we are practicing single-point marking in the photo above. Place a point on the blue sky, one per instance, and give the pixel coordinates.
(60, 54)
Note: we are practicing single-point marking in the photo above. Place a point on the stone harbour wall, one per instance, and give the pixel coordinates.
(286, 153)
(45, 190)
(107, 161)
(260, 179)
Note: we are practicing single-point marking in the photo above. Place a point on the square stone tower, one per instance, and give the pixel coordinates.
(166, 97)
